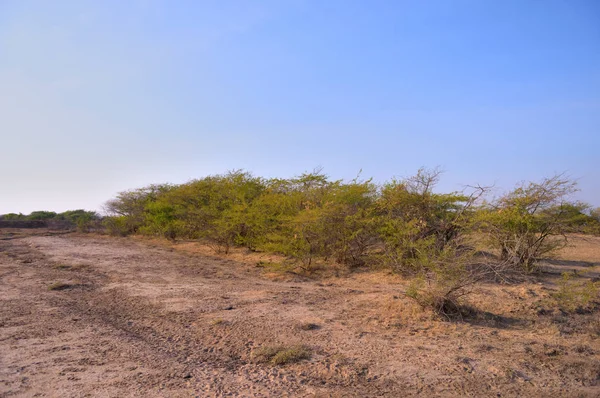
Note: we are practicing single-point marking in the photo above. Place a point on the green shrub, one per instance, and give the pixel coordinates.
(14, 216)
(130, 206)
(573, 295)
(82, 219)
(529, 222)
(444, 278)
(118, 226)
(416, 223)
(41, 215)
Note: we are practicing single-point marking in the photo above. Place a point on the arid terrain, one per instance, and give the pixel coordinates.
(91, 315)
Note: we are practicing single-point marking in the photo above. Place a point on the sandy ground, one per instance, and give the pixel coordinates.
(140, 318)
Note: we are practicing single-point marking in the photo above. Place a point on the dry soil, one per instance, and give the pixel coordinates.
(90, 315)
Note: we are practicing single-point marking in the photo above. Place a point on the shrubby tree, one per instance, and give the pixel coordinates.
(530, 221)
(443, 279)
(349, 222)
(211, 209)
(127, 211)
(424, 235)
(310, 217)
(415, 222)
(289, 217)
(159, 219)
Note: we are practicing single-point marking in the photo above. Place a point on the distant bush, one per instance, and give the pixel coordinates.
(83, 220)
(42, 215)
(13, 217)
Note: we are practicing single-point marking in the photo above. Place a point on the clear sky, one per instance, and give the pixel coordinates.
(101, 96)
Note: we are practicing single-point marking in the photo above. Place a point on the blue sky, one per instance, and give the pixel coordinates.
(102, 96)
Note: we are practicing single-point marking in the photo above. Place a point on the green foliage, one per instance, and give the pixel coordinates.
(118, 225)
(444, 277)
(14, 216)
(159, 219)
(530, 221)
(131, 205)
(308, 218)
(595, 214)
(403, 224)
(349, 223)
(213, 209)
(84, 220)
(415, 223)
(592, 225)
(330, 220)
(41, 215)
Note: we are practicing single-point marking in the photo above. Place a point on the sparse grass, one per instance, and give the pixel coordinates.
(59, 286)
(291, 355)
(340, 359)
(218, 321)
(266, 353)
(594, 328)
(484, 348)
(281, 355)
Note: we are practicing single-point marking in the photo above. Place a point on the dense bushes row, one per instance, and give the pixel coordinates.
(403, 224)
(305, 218)
(81, 219)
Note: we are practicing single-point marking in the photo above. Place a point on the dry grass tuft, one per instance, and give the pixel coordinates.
(70, 267)
(281, 355)
(59, 286)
